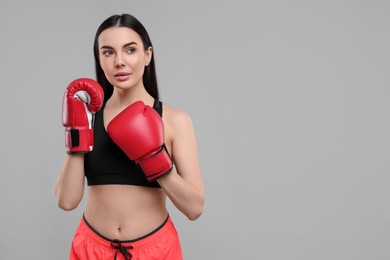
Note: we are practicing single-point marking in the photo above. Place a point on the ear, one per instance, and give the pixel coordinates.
(149, 54)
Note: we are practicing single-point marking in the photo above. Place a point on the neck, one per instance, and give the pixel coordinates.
(124, 97)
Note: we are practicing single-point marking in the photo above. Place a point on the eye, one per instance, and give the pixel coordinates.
(107, 53)
(130, 50)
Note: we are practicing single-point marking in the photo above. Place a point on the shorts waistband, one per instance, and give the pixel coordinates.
(142, 242)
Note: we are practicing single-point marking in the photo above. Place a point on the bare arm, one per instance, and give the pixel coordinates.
(184, 185)
(69, 188)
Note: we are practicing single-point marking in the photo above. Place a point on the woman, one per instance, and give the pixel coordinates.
(126, 212)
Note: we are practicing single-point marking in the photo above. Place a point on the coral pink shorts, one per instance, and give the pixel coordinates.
(162, 243)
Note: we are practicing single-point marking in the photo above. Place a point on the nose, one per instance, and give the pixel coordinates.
(118, 61)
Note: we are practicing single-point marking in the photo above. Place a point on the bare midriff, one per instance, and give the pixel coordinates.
(125, 212)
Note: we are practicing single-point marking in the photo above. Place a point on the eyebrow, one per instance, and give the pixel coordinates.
(124, 46)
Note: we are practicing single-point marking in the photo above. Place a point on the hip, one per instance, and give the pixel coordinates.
(163, 242)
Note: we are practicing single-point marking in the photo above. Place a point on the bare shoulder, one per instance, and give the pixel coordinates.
(175, 118)
(181, 140)
(178, 125)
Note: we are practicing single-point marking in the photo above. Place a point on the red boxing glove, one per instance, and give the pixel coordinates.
(82, 99)
(139, 131)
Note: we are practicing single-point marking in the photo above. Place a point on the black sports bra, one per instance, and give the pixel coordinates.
(108, 164)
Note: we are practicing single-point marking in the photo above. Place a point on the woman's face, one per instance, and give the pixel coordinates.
(123, 57)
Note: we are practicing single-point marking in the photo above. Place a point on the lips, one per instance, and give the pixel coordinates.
(121, 76)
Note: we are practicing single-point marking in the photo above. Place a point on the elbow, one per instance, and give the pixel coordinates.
(67, 206)
(194, 215)
(196, 212)
(66, 202)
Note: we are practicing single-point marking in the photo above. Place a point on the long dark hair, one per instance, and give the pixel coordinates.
(129, 21)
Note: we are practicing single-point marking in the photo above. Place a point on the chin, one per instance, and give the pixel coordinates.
(123, 84)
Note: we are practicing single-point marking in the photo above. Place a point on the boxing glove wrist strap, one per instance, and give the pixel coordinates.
(78, 140)
(157, 165)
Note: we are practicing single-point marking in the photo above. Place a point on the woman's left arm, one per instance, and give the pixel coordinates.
(184, 184)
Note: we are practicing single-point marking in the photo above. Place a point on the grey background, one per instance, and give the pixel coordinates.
(290, 101)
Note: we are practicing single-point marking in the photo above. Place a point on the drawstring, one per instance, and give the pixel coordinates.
(116, 244)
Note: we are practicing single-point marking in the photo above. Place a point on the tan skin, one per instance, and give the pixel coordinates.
(125, 211)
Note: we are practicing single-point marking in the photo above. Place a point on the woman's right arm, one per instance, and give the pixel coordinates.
(83, 97)
(69, 188)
